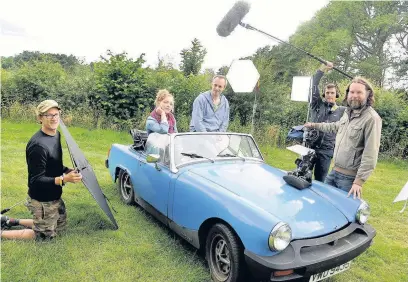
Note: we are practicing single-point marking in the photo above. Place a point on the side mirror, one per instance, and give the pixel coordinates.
(152, 158)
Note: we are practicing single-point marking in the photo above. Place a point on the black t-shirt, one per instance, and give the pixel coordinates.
(44, 162)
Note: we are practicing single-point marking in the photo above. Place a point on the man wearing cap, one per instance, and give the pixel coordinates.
(46, 177)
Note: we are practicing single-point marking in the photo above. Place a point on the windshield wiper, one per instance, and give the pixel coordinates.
(195, 156)
(230, 156)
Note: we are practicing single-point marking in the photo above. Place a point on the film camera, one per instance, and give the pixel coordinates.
(301, 177)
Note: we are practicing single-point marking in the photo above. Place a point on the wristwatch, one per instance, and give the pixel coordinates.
(62, 180)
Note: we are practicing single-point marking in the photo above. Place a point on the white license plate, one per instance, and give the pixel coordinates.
(330, 272)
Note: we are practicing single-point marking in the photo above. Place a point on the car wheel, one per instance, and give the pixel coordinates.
(224, 254)
(125, 187)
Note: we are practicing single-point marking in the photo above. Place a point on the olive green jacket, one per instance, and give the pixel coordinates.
(357, 142)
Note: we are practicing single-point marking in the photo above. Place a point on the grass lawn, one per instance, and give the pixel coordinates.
(142, 249)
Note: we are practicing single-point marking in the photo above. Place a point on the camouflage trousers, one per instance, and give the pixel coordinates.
(48, 217)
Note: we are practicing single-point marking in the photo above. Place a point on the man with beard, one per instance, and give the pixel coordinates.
(323, 108)
(357, 139)
(211, 108)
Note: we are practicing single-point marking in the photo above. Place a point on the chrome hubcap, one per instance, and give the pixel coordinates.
(126, 187)
(220, 256)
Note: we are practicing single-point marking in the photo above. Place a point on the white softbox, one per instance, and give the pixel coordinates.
(301, 87)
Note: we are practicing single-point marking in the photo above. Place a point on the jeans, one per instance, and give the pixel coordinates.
(340, 180)
(322, 164)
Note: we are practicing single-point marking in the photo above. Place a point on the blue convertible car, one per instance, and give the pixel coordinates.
(216, 191)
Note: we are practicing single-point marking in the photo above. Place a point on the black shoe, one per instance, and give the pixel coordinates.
(7, 222)
(4, 220)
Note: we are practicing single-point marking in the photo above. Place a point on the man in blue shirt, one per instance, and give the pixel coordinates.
(211, 108)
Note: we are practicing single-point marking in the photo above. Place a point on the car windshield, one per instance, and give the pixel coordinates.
(190, 148)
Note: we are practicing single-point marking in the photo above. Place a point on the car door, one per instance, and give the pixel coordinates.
(153, 180)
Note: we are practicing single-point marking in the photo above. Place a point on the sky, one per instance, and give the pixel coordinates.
(163, 28)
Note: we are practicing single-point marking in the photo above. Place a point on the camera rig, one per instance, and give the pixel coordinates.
(301, 177)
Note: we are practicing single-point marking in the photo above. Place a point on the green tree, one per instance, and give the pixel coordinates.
(66, 61)
(355, 35)
(223, 70)
(192, 58)
(394, 112)
(120, 88)
(8, 89)
(7, 62)
(401, 64)
(37, 80)
(78, 85)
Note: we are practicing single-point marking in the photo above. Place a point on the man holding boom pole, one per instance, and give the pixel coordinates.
(323, 108)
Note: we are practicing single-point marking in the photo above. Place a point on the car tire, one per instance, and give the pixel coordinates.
(225, 256)
(125, 187)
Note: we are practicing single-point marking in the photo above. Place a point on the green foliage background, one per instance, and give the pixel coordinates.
(367, 38)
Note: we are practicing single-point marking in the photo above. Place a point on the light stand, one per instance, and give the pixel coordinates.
(256, 90)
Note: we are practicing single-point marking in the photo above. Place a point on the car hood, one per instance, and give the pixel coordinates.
(309, 214)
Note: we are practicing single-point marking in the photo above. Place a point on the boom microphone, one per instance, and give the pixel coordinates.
(232, 18)
(238, 12)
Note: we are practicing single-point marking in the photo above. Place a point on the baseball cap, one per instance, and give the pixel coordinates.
(45, 106)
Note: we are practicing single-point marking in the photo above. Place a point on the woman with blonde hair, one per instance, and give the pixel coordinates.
(161, 119)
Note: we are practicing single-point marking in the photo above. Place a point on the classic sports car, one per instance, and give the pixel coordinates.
(216, 191)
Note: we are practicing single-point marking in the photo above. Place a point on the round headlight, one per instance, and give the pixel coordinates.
(363, 212)
(280, 237)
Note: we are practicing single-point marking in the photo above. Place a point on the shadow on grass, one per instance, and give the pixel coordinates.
(170, 233)
(196, 254)
(91, 219)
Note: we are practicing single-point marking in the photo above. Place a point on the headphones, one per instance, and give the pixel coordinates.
(331, 85)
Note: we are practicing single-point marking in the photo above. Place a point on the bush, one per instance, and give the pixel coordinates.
(394, 113)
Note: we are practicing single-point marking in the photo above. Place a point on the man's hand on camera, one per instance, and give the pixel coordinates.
(73, 177)
(308, 125)
(356, 190)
